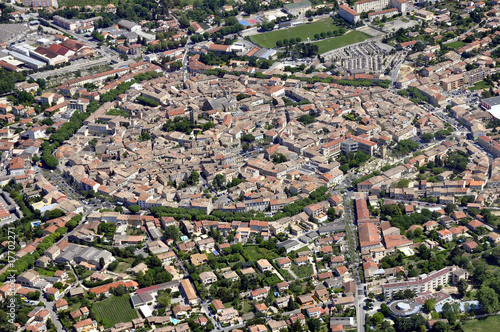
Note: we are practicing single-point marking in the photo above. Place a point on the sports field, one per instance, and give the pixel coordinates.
(114, 310)
(269, 39)
(352, 37)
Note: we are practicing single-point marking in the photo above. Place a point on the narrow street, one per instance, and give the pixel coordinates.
(49, 306)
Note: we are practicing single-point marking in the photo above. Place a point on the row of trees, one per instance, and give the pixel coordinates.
(164, 45)
(286, 42)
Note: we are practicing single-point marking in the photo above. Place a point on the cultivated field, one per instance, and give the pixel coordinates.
(114, 310)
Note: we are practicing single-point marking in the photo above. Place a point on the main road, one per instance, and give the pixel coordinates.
(355, 261)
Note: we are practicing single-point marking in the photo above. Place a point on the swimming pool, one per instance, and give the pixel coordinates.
(174, 321)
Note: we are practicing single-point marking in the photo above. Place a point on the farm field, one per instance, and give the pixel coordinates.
(269, 39)
(114, 310)
(352, 37)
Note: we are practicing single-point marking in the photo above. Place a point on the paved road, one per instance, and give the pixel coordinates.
(49, 306)
(355, 263)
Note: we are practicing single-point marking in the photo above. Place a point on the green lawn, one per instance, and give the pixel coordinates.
(482, 325)
(257, 253)
(44, 272)
(273, 280)
(456, 44)
(247, 306)
(352, 37)
(114, 310)
(122, 267)
(118, 112)
(479, 86)
(304, 31)
(285, 274)
(302, 271)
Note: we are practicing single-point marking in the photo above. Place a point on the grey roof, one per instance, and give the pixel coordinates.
(493, 101)
(287, 244)
(80, 253)
(146, 297)
(333, 282)
(130, 35)
(220, 103)
(30, 150)
(27, 59)
(127, 24)
(264, 53)
(136, 301)
(331, 227)
(154, 232)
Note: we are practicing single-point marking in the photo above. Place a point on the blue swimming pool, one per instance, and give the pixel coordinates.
(174, 321)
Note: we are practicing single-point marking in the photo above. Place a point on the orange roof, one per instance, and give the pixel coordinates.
(104, 288)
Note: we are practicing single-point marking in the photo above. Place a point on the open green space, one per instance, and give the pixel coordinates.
(303, 271)
(329, 44)
(257, 253)
(44, 272)
(479, 86)
(455, 45)
(269, 39)
(114, 310)
(285, 274)
(273, 280)
(122, 267)
(482, 325)
(118, 112)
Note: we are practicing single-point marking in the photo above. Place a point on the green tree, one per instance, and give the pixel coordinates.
(279, 158)
(488, 299)
(134, 209)
(113, 265)
(172, 232)
(314, 325)
(193, 178)
(49, 161)
(145, 136)
(441, 327)
(378, 318)
(218, 181)
(430, 305)
(101, 262)
(384, 309)
(165, 299)
(120, 290)
(462, 287)
(450, 312)
(450, 208)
